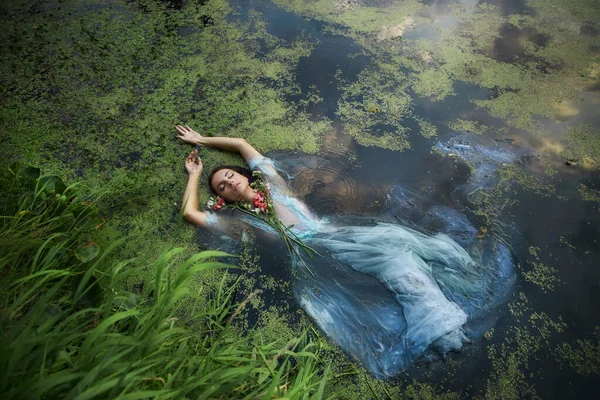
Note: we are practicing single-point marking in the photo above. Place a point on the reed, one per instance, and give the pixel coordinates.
(74, 328)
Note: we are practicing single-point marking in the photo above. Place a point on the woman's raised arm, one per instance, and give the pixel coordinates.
(237, 145)
(189, 205)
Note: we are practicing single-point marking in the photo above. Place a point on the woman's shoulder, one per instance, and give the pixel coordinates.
(263, 164)
(270, 172)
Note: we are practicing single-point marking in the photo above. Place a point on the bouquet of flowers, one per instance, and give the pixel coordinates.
(262, 208)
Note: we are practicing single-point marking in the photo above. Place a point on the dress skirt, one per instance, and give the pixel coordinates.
(388, 294)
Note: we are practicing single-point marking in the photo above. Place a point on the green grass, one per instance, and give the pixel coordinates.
(74, 326)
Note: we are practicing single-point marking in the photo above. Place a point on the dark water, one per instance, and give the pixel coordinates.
(350, 179)
(346, 178)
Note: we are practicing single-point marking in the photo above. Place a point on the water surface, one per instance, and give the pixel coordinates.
(354, 95)
(558, 248)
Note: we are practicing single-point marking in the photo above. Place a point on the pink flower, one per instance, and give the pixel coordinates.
(260, 202)
(220, 204)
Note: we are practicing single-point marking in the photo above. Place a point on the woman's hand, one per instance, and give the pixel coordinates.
(193, 163)
(238, 145)
(188, 135)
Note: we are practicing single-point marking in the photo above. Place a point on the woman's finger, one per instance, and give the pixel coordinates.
(181, 130)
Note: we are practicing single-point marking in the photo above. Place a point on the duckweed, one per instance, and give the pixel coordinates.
(583, 355)
(93, 93)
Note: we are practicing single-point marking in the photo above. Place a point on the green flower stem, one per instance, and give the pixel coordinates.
(270, 218)
(285, 232)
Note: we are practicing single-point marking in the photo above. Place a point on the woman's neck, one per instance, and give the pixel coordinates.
(248, 195)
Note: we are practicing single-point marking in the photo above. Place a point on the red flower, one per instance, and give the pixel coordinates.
(260, 201)
(220, 204)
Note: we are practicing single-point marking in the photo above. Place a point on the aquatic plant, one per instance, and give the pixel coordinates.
(92, 89)
(73, 325)
(585, 356)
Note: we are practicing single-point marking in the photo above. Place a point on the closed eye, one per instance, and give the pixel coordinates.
(223, 185)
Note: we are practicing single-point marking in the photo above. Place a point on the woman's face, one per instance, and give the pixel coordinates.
(230, 185)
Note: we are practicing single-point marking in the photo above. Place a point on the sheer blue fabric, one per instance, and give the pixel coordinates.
(388, 294)
(483, 158)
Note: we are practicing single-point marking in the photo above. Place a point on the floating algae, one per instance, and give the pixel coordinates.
(582, 144)
(588, 194)
(541, 275)
(432, 84)
(373, 108)
(469, 126)
(95, 97)
(94, 92)
(584, 356)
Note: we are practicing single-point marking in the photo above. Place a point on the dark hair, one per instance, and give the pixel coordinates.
(240, 170)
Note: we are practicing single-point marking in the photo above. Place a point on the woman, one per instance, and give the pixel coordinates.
(387, 294)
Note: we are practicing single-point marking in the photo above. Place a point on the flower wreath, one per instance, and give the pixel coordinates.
(262, 208)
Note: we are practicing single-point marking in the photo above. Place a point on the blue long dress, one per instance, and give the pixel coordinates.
(388, 294)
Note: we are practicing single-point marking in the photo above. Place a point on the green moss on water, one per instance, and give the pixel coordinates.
(507, 379)
(492, 204)
(531, 86)
(586, 10)
(551, 172)
(469, 126)
(359, 19)
(588, 194)
(275, 326)
(534, 85)
(427, 129)
(373, 108)
(542, 276)
(519, 306)
(583, 355)
(435, 85)
(510, 377)
(534, 251)
(546, 326)
(563, 241)
(582, 145)
(95, 92)
(489, 334)
(350, 382)
(510, 174)
(425, 391)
